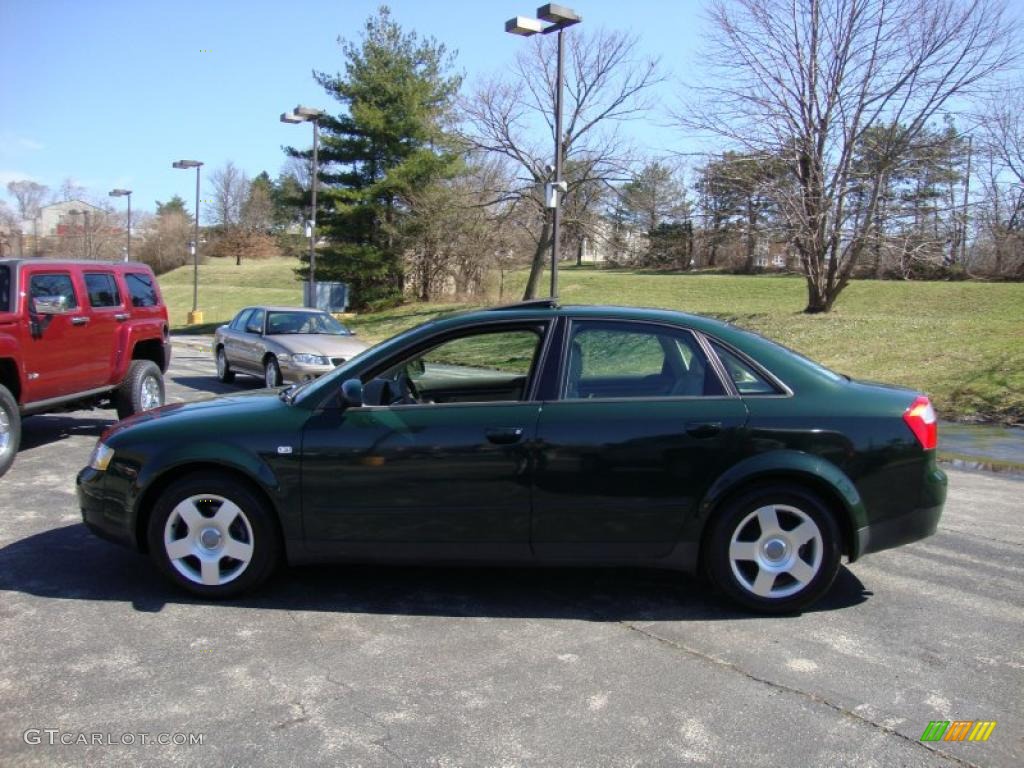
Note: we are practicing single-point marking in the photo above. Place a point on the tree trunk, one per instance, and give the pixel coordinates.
(537, 267)
(748, 266)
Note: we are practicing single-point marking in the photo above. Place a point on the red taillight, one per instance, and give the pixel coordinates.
(920, 417)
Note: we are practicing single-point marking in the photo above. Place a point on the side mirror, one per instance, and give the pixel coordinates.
(352, 393)
(49, 305)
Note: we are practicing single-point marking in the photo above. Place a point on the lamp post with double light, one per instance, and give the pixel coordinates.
(559, 18)
(126, 193)
(195, 316)
(310, 115)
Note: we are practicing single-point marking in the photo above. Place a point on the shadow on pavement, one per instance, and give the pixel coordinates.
(42, 430)
(82, 567)
(211, 384)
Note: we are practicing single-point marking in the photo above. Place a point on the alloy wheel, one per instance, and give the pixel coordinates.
(208, 540)
(776, 551)
(150, 395)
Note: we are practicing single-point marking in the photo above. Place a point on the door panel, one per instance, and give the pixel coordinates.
(436, 480)
(105, 315)
(57, 355)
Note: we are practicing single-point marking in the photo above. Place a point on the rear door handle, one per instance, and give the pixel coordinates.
(504, 435)
(79, 320)
(121, 317)
(703, 428)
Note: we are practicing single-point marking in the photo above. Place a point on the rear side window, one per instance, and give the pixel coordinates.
(635, 360)
(52, 285)
(102, 289)
(747, 380)
(5, 289)
(140, 287)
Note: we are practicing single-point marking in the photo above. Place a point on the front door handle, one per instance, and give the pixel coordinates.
(79, 320)
(504, 435)
(121, 317)
(703, 428)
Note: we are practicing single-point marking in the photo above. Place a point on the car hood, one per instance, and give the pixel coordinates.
(253, 405)
(317, 344)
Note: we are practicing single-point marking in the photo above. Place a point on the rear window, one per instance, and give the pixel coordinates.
(5, 289)
(102, 289)
(140, 286)
(747, 380)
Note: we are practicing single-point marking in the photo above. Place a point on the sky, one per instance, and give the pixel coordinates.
(110, 93)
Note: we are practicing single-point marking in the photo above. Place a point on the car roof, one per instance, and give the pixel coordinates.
(75, 263)
(274, 308)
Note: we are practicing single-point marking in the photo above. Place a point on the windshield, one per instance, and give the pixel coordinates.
(281, 323)
(5, 288)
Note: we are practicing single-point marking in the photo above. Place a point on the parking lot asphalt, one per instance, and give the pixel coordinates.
(359, 665)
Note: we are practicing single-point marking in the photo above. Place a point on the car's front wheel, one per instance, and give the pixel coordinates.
(10, 429)
(224, 372)
(213, 536)
(271, 372)
(774, 549)
(141, 390)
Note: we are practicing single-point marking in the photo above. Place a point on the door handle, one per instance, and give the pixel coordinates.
(504, 435)
(703, 428)
(121, 317)
(79, 320)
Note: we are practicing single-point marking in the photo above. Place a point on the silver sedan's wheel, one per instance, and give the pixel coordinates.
(214, 534)
(208, 540)
(271, 373)
(775, 551)
(224, 372)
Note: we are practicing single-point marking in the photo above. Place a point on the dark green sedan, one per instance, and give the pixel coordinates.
(533, 434)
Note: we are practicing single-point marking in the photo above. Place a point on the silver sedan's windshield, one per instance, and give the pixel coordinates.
(281, 323)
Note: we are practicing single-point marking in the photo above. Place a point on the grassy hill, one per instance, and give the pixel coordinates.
(963, 343)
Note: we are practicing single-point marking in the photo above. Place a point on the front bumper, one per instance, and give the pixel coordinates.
(915, 525)
(298, 372)
(104, 511)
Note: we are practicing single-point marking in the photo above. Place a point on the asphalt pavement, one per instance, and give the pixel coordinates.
(346, 665)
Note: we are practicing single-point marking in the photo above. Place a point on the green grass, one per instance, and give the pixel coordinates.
(963, 343)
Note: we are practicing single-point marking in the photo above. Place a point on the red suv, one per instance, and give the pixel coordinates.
(78, 334)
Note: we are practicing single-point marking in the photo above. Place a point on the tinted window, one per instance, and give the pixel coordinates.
(102, 289)
(54, 285)
(255, 322)
(141, 288)
(238, 324)
(616, 360)
(5, 289)
(747, 380)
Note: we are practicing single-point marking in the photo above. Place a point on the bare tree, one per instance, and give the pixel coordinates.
(607, 83)
(804, 79)
(1002, 176)
(230, 190)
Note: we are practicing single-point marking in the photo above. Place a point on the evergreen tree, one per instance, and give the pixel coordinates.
(388, 141)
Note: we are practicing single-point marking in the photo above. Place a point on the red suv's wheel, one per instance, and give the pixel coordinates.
(10, 429)
(141, 390)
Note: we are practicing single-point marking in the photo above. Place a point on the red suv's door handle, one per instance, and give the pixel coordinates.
(121, 316)
(79, 320)
(504, 435)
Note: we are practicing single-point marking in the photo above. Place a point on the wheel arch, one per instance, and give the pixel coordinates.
(10, 377)
(147, 500)
(820, 477)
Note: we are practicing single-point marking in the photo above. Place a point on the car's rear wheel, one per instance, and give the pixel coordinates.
(224, 372)
(213, 535)
(271, 372)
(10, 429)
(141, 390)
(774, 549)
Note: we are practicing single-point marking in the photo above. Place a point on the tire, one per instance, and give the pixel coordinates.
(774, 549)
(224, 372)
(141, 390)
(232, 545)
(10, 429)
(271, 372)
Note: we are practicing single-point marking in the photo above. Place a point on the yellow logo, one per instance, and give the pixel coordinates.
(958, 730)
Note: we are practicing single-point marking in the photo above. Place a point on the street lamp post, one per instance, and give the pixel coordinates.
(126, 193)
(311, 115)
(559, 18)
(195, 316)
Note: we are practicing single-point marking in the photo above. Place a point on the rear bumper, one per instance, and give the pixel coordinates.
(915, 525)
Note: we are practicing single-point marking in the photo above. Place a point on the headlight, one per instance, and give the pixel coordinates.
(101, 456)
(304, 359)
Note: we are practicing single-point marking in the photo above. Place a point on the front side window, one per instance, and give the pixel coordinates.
(141, 289)
(491, 366)
(633, 360)
(238, 324)
(102, 289)
(280, 323)
(54, 286)
(5, 288)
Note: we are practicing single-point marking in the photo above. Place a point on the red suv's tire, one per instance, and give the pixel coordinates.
(10, 429)
(141, 390)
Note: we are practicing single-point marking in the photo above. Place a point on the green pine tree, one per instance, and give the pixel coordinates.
(388, 141)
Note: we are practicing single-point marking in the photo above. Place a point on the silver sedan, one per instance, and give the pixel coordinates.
(282, 344)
